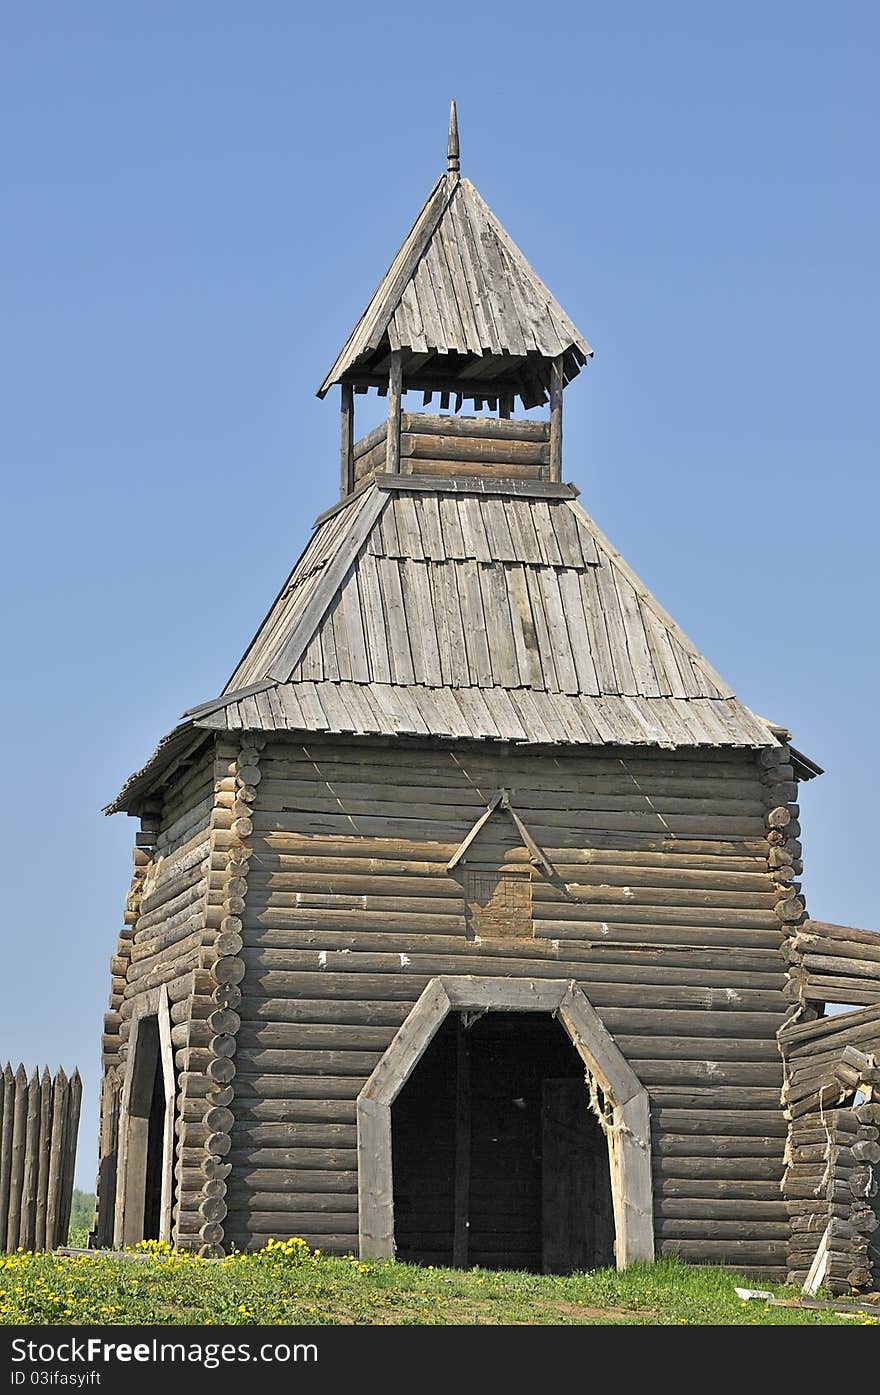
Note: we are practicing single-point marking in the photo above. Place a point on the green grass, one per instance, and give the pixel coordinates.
(290, 1284)
(82, 1212)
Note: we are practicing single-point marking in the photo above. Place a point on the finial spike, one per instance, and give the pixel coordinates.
(452, 160)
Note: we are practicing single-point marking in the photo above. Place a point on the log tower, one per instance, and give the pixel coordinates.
(460, 921)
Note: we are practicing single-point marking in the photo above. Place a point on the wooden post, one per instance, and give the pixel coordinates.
(461, 1232)
(45, 1148)
(395, 382)
(56, 1159)
(505, 405)
(71, 1129)
(346, 441)
(556, 419)
(6, 1148)
(16, 1173)
(31, 1165)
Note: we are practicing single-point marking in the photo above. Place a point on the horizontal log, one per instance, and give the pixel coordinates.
(732, 1252)
(689, 1145)
(694, 1187)
(749, 1231)
(249, 1162)
(407, 987)
(271, 1120)
(720, 1208)
(291, 1203)
(487, 428)
(730, 1168)
(499, 958)
(423, 445)
(425, 465)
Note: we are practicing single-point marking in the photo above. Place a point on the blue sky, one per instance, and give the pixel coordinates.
(197, 202)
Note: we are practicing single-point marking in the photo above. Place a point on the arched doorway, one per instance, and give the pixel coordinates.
(612, 1089)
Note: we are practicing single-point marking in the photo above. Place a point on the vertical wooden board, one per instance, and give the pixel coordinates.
(616, 629)
(420, 622)
(600, 648)
(563, 658)
(395, 618)
(576, 621)
(576, 1208)
(450, 630)
(542, 630)
(375, 1181)
(632, 1148)
(479, 661)
(453, 540)
(499, 633)
(430, 526)
(543, 515)
(498, 530)
(637, 644)
(374, 620)
(473, 530)
(523, 629)
(354, 628)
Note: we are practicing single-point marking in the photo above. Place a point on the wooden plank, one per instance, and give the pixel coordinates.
(395, 384)
(556, 385)
(346, 440)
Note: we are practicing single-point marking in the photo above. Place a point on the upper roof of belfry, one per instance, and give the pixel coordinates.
(459, 591)
(463, 305)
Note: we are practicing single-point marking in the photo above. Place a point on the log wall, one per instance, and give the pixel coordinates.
(164, 941)
(487, 447)
(664, 903)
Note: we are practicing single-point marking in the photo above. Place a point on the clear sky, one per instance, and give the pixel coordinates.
(198, 199)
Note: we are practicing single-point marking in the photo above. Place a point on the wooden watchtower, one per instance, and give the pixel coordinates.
(457, 919)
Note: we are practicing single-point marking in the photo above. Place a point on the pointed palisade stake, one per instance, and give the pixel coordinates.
(452, 154)
(31, 1165)
(60, 1091)
(71, 1129)
(43, 1168)
(16, 1171)
(8, 1086)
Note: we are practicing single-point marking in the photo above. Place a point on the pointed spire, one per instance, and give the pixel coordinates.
(452, 160)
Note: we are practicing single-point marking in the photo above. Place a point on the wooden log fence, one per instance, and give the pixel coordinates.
(39, 1120)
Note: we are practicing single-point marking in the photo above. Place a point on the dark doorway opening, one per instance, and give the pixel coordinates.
(498, 1160)
(146, 1133)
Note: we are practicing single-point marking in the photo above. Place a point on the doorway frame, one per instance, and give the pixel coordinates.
(628, 1131)
(131, 1167)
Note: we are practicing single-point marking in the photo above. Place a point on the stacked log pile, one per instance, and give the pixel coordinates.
(830, 1097)
(39, 1120)
(834, 964)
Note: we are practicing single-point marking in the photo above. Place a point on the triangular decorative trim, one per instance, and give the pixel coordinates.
(501, 800)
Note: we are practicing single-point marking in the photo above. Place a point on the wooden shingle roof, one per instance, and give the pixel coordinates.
(462, 303)
(512, 604)
(467, 609)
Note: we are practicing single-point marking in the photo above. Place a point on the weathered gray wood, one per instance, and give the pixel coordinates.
(45, 1152)
(346, 440)
(17, 1162)
(54, 1197)
(556, 386)
(392, 456)
(27, 1232)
